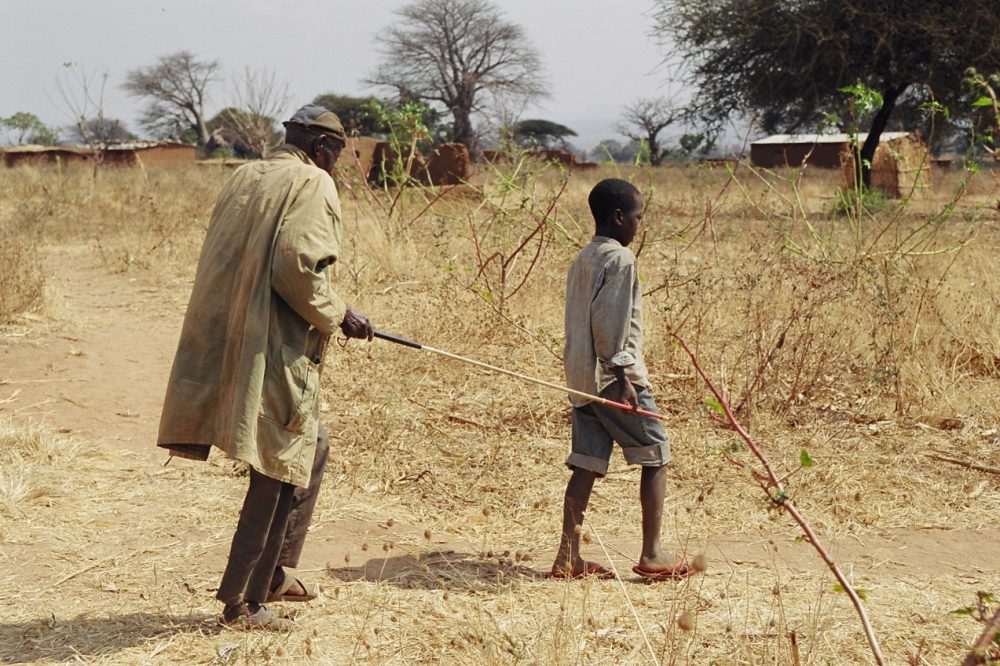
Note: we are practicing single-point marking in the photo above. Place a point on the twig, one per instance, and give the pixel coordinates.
(969, 465)
(979, 651)
(638, 622)
(780, 498)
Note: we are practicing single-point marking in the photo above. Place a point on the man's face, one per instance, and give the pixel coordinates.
(327, 149)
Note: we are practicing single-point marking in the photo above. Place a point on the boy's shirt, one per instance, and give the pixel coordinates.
(603, 319)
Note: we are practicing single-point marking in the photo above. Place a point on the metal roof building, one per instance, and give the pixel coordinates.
(819, 150)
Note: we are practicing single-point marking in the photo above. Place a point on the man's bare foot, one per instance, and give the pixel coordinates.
(662, 567)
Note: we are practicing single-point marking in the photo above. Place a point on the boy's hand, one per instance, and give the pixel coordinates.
(626, 393)
(622, 390)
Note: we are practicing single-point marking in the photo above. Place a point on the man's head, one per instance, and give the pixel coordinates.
(319, 133)
(616, 205)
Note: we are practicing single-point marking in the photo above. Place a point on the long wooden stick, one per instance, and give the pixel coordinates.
(782, 500)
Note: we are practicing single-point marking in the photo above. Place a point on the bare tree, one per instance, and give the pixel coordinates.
(81, 98)
(175, 88)
(451, 51)
(643, 121)
(257, 102)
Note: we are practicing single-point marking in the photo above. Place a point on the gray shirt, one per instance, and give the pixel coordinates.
(603, 319)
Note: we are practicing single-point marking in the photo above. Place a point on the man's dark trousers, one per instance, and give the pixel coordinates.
(271, 530)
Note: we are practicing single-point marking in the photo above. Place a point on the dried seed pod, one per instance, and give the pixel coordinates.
(699, 562)
(686, 621)
(427, 534)
(390, 522)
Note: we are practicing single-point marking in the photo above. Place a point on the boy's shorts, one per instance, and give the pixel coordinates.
(596, 427)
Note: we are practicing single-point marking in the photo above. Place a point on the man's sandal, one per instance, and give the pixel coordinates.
(263, 620)
(289, 590)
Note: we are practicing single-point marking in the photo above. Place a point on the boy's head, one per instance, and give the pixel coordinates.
(616, 205)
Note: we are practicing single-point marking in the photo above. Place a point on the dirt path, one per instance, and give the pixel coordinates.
(97, 370)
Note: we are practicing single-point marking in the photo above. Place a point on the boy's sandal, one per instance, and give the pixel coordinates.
(676, 572)
(283, 592)
(590, 570)
(263, 620)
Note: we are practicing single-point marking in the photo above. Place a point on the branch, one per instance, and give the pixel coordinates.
(781, 499)
(980, 650)
(968, 465)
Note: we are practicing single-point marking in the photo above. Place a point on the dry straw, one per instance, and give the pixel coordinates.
(867, 358)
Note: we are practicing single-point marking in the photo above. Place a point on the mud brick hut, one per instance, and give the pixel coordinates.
(126, 154)
(156, 154)
(45, 155)
(901, 164)
(900, 168)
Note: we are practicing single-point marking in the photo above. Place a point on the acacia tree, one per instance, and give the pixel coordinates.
(101, 130)
(451, 52)
(786, 61)
(353, 112)
(541, 133)
(644, 119)
(175, 89)
(28, 127)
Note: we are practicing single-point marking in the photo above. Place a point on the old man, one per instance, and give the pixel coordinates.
(246, 374)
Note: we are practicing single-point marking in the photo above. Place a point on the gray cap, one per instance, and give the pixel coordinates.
(318, 119)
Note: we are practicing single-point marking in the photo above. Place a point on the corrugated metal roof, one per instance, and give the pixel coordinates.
(86, 150)
(825, 138)
(34, 148)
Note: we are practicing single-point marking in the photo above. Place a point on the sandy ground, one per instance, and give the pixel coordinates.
(94, 369)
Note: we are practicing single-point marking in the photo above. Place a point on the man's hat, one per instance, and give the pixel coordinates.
(318, 119)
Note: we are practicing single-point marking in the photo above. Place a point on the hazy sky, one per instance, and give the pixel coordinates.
(598, 54)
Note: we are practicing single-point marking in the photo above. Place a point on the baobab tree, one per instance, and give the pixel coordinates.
(451, 52)
(175, 89)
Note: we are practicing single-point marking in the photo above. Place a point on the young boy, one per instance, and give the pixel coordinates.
(603, 355)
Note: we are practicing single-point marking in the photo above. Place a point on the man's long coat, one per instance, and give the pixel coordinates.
(246, 373)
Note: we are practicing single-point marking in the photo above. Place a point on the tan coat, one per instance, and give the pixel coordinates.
(246, 373)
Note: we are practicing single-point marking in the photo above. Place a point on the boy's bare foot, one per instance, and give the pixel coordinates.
(658, 568)
(579, 570)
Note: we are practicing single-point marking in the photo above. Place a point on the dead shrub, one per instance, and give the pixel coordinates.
(21, 276)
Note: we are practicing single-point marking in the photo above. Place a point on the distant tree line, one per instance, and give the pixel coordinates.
(462, 72)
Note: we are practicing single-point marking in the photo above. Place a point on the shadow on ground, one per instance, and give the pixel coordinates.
(54, 639)
(448, 570)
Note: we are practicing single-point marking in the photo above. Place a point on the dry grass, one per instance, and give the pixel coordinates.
(20, 274)
(833, 335)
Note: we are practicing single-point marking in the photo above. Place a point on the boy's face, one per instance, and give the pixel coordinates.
(627, 222)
